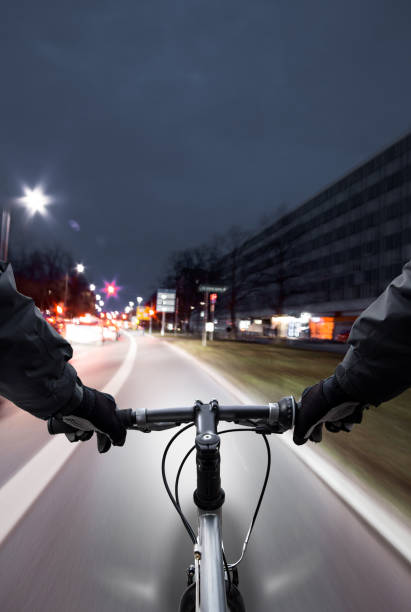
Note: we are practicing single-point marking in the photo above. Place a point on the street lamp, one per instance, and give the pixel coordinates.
(79, 268)
(139, 300)
(92, 287)
(35, 201)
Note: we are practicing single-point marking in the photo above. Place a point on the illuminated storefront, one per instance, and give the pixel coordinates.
(322, 328)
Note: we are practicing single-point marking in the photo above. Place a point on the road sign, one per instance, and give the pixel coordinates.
(166, 300)
(212, 288)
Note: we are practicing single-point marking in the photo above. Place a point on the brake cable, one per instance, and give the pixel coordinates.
(163, 473)
(176, 501)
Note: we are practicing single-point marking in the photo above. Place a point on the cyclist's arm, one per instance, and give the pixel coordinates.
(377, 364)
(34, 373)
(375, 368)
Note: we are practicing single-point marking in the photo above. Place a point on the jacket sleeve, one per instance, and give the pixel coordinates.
(34, 373)
(377, 366)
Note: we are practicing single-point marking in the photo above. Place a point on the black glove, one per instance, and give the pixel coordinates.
(96, 412)
(325, 402)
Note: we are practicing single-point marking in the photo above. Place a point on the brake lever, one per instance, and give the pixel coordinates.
(260, 427)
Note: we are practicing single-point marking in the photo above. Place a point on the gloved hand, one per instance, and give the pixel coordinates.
(325, 402)
(96, 412)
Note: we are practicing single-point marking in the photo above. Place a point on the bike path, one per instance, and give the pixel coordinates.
(103, 535)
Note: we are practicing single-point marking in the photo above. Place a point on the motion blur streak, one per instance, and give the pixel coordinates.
(296, 573)
(19, 493)
(128, 588)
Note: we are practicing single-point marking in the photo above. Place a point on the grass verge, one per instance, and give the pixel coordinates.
(378, 451)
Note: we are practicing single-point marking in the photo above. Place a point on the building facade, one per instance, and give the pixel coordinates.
(337, 251)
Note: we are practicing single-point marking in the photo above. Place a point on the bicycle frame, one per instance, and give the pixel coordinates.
(210, 582)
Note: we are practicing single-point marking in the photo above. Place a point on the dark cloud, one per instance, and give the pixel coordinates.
(156, 124)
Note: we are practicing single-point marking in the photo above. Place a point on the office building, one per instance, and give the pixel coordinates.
(333, 254)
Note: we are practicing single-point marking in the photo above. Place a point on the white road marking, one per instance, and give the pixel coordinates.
(19, 493)
(390, 527)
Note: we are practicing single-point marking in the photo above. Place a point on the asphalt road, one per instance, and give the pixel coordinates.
(104, 537)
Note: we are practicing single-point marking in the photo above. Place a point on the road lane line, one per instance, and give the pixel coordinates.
(19, 493)
(396, 532)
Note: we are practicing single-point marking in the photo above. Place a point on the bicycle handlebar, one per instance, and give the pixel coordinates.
(276, 417)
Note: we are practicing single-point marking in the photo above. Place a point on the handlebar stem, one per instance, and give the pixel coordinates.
(209, 495)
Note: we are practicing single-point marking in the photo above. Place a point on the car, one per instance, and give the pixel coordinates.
(58, 323)
(342, 336)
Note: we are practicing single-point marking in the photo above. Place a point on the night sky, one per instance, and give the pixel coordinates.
(157, 124)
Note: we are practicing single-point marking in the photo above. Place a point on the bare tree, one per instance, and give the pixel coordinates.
(278, 275)
(190, 268)
(43, 273)
(235, 273)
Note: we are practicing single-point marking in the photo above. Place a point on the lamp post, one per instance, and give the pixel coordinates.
(4, 236)
(139, 300)
(163, 318)
(35, 201)
(80, 269)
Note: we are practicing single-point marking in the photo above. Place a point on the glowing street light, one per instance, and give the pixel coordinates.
(34, 200)
(92, 287)
(98, 297)
(111, 289)
(101, 303)
(80, 268)
(131, 304)
(139, 300)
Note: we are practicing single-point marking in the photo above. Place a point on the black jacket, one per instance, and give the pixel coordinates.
(377, 366)
(34, 373)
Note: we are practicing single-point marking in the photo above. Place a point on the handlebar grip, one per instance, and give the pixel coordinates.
(57, 426)
(127, 417)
